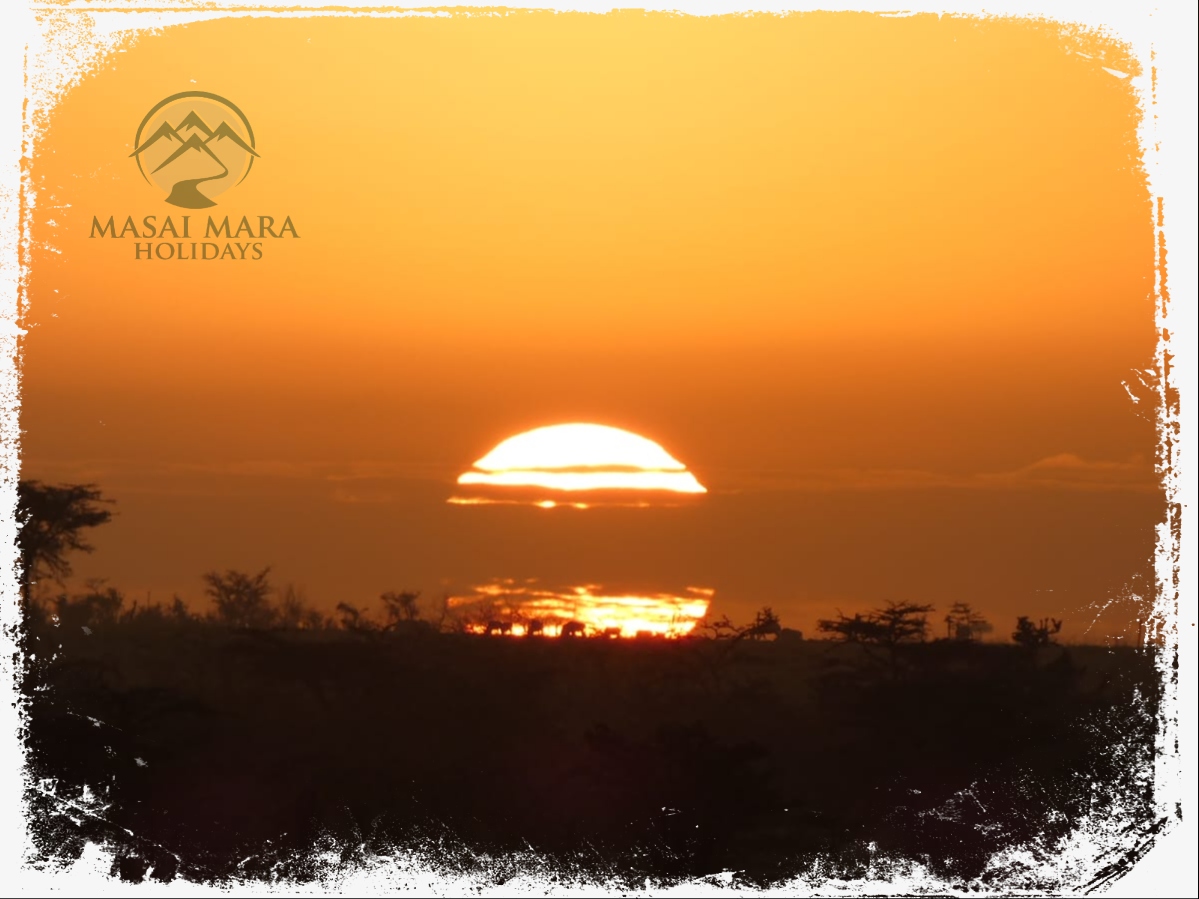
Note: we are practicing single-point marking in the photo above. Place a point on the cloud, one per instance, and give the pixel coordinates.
(1064, 471)
(1070, 472)
(362, 497)
(381, 481)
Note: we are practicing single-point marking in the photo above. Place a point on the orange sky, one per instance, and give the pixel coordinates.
(864, 276)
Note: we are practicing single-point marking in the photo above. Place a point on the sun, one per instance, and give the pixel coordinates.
(580, 457)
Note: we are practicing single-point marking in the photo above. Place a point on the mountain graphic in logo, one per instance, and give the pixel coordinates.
(181, 157)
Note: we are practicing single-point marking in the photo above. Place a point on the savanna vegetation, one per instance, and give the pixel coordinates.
(231, 743)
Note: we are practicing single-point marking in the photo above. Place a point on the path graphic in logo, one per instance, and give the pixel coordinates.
(192, 139)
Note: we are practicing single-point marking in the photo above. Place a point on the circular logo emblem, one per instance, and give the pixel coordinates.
(194, 146)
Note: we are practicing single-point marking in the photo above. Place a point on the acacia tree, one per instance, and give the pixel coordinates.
(99, 607)
(400, 608)
(355, 619)
(442, 617)
(963, 623)
(890, 627)
(1030, 635)
(858, 629)
(52, 520)
(294, 612)
(242, 600)
(895, 623)
(766, 622)
(715, 656)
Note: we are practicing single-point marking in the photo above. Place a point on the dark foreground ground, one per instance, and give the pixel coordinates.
(205, 753)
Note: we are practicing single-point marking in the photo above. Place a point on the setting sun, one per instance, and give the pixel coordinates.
(577, 457)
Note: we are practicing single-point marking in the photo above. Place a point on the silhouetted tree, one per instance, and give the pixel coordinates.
(475, 617)
(715, 657)
(443, 617)
(903, 622)
(295, 613)
(242, 600)
(400, 608)
(99, 607)
(963, 623)
(179, 611)
(766, 623)
(355, 619)
(52, 519)
(721, 628)
(1030, 635)
(895, 623)
(890, 627)
(858, 629)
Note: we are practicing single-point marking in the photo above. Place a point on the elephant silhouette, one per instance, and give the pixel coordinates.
(573, 629)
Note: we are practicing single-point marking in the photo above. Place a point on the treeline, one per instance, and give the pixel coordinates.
(238, 601)
(898, 623)
(54, 519)
(244, 601)
(218, 750)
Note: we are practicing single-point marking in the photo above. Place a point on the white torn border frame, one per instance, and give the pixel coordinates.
(48, 47)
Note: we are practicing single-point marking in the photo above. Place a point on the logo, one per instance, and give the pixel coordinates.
(194, 146)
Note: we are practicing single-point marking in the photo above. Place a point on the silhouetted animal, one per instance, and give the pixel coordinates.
(536, 627)
(612, 632)
(499, 627)
(573, 629)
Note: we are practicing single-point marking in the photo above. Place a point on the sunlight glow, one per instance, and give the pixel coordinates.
(596, 612)
(577, 457)
(541, 504)
(678, 482)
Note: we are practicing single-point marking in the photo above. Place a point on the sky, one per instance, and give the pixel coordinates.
(884, 285)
